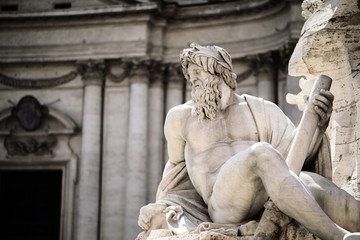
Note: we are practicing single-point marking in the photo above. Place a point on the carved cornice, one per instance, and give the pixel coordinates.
(194, 9)
(35, 83)
(92, 71)
(119, 1)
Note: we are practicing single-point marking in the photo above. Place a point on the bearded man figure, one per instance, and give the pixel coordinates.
(227, 158)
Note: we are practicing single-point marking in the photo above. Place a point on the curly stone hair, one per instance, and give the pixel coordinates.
(213, 59)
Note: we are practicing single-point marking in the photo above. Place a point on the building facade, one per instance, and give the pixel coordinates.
(84, 90)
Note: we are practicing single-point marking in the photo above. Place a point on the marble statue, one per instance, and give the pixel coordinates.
(227, 158)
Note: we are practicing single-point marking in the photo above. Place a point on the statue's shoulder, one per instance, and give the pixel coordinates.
(179, 113)
(182, 109)
(258, 101)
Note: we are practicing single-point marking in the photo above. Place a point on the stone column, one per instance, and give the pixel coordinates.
(137, 148)
(175, 86)
(156, 129)
(115, 134)
(92, 73)
(263, 69)
(266, 78)
(266, 84)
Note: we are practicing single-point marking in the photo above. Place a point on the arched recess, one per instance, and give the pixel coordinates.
(36, 139)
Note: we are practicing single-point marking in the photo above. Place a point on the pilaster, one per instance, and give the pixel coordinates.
(263, 68)
(92, 73)
(137, 151)
(175, 86)
(155, 130)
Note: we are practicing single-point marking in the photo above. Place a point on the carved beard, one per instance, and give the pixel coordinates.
(206, 96)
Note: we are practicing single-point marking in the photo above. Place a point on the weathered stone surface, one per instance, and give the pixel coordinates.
(330, 45)
(223, 166)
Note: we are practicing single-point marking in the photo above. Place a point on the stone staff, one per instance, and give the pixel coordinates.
(307, 127)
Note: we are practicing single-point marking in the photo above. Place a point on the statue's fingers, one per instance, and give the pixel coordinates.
(320, 112)
(327, 94)
(323, 116)
(323, 99)
(143, 222)
(324, 107)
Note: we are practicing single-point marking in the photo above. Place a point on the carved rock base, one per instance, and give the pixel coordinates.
(273, 225)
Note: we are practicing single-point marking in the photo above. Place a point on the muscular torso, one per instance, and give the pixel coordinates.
(210, 143)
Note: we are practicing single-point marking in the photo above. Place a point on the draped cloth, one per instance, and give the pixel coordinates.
(176, 188)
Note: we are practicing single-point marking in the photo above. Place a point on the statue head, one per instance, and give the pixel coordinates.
(212, 59)
(215, 62)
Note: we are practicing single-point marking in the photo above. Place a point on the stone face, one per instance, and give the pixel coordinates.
(329, 45)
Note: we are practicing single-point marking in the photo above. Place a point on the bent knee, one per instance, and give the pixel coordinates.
(263, 150)
(265, 156)
(262, 147)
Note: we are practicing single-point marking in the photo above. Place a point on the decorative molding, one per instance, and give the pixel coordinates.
(91, 71)
(120, 1)
(157, 73)
(34, 83)
(263, 62)
(117, 78)
(174, 73)
(21, 145)
(32, 128)
(193, 9)
(140, 70)
(29, 113)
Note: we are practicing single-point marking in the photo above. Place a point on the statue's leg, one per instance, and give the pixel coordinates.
(340, 206)
(266, 167)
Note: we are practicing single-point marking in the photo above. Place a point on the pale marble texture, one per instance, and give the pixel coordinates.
(227, 157)
(330, 45)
